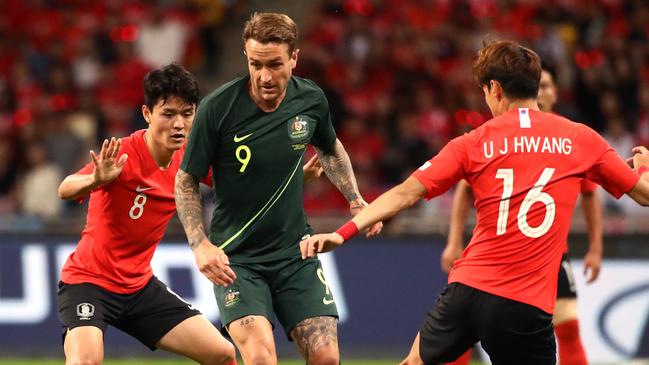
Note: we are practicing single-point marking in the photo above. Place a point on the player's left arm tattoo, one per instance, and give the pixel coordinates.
(338, 168)
(313, 334)
(190, 207)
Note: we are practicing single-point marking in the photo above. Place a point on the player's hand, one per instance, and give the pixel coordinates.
(355, 208)
(640, 157)
(592, 265)
(107, 167)
(214, 263)
(312, 169)
(315, 244)
(449, 255)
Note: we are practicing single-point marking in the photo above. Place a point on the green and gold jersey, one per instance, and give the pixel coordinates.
(256, 159)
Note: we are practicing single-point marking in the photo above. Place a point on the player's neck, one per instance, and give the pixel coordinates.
(161, 156)
(522, 103)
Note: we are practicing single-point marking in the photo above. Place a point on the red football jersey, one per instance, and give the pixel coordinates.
(525, 168)
(126, 220)
(587, 186)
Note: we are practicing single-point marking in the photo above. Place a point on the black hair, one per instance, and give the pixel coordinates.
(168, 81)
(549, 69)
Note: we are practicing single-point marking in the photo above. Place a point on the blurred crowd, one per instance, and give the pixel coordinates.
(396, 73)
(71, 74)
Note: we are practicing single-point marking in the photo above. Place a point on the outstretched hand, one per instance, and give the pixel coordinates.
(107, 167)
(318, 243)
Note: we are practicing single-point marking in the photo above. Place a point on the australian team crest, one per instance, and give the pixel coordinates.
(298, 127)
(232, 297)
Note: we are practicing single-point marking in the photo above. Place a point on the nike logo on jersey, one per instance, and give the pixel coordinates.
(239, 139)
(326, 301)
(140, 189)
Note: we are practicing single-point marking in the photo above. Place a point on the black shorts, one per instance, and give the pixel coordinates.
(566, 287)
(511, 332)
(147, 314)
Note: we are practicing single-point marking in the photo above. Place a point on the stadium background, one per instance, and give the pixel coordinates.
(397, 76)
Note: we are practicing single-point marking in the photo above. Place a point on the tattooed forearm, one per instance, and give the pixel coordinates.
(315, 334)
(190, 207)
(338, 168)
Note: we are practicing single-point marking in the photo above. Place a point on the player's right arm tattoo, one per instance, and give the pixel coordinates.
(338, 168)
(190, 207)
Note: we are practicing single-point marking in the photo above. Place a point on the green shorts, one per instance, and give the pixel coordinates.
(294, 289)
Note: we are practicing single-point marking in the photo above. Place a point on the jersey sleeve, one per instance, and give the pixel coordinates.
(201, 145)
(442, 171)
(324, 136)
(588, 186)
(609, 170)
(86, 170)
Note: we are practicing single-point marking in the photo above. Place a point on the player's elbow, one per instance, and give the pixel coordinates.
(64, 192)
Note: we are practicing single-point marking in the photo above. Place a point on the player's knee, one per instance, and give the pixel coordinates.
(228, 356)
(324, 357)
(260, 356)
(224, 356)
(83, 359)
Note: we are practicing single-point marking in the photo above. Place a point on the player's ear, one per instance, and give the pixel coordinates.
(496, 89)
(146, 113)
(294, 56)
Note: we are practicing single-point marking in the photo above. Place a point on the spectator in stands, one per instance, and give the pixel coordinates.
(38, 188)
(163, 38)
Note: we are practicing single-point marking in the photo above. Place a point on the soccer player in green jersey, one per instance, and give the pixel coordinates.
(253, 132)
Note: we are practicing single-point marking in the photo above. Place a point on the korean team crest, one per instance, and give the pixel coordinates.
(298, 128)
(85, 311)
(232, 297)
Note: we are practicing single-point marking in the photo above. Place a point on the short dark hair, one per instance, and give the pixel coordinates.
(549, 69)
(271, 27)
(169, 81)
(517, 68)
